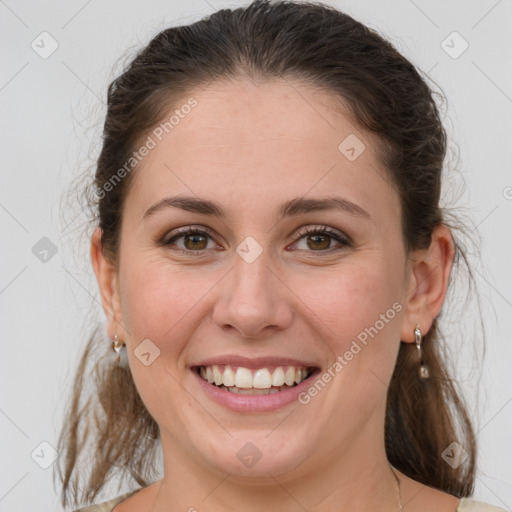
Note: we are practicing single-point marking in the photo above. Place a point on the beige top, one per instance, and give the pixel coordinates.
(466, 505)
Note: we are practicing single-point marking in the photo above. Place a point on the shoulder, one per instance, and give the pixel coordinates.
(107, 506)
(469, 505)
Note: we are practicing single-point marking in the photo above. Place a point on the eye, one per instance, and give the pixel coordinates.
(319, 239)
(194, 239)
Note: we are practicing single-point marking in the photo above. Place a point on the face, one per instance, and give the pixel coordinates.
(263, 286)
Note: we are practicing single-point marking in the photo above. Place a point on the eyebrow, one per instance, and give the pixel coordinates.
(295, 206)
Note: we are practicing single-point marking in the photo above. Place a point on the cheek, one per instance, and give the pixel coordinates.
(358, 313)
(351, 298)
(157, 297)
(158, 305)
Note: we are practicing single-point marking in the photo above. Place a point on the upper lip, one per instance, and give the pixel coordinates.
(255, 362)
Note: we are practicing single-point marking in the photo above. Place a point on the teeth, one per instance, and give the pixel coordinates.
(228, 377)
(278, 377)
(253, 391)
(262, 379)
(244, 380)
(289, 377)
(217, 376)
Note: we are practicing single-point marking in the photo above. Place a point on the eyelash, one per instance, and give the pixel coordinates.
(317, 230)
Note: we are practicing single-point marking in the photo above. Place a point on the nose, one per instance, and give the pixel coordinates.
(253, 300)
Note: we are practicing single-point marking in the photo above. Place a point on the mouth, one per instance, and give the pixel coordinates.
(254, 381)
(253, 384)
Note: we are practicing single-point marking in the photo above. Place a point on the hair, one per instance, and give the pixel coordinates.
(386, 96)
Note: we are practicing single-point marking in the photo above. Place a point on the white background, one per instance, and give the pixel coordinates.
(52, 112)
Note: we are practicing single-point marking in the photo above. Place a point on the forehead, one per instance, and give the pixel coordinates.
(258, 141)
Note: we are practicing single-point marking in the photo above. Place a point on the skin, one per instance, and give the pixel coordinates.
(250, 147)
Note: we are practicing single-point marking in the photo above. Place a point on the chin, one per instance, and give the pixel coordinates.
(261, 454)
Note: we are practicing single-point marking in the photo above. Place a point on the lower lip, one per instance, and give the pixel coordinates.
(254, 403)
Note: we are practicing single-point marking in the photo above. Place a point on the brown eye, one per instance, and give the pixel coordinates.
(194, 240)
(319, 242)
(319, 239)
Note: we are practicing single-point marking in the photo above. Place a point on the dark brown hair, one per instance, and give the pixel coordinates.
(385, 95)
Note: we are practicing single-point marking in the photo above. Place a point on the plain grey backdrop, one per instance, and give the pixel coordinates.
(57, 61)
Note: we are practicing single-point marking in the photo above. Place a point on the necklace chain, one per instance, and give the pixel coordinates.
(399, 495)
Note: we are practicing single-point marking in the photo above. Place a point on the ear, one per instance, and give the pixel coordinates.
(429, 276)
(107, 281)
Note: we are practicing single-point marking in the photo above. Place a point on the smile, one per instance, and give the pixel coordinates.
(254, 390)
(259, 381)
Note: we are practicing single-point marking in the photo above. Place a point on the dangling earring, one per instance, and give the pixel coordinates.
(423, 371)
(117, 346)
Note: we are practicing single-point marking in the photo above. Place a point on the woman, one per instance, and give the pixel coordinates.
(272, 261)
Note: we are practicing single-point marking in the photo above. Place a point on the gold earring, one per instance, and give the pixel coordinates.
(117, 346)
(423, 372)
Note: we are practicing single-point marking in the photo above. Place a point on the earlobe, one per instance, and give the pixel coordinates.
(107, 282)
(428, 283)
